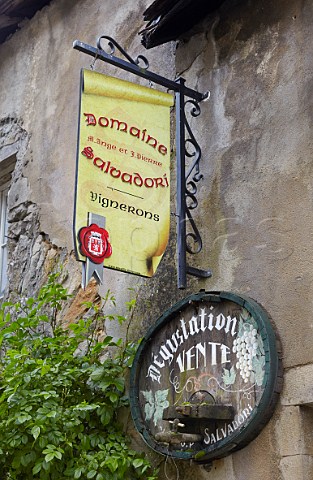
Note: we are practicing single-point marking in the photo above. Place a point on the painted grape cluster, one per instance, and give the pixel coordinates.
(245, 346)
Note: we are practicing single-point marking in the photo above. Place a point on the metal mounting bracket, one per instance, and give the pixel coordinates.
(188, 236)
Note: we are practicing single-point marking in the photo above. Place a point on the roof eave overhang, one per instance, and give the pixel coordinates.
(169, 19)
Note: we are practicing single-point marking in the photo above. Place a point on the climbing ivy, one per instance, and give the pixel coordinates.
(61, 389)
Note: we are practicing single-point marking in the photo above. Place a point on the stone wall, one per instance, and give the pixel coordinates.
(40, 75)
(256, 197)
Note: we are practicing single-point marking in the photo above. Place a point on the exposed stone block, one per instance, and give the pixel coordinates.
(298, 387)
(297, 467)
(294, 431)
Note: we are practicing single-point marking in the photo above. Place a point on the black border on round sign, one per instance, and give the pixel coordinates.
(273, 379)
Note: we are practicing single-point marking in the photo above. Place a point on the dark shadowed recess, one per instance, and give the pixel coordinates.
(168, 19)
(13, 12)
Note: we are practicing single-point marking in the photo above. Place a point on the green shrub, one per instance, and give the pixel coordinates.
(60, 392)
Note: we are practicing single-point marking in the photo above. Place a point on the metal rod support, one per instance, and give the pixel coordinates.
(181, 185)
(197, 272)
(136, 70)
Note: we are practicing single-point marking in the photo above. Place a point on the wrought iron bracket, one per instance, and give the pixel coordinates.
(187, 148)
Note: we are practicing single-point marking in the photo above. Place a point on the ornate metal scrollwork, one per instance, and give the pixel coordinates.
(188, 176)
(193, 176)
(112, 44)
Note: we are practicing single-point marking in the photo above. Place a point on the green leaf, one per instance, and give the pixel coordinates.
(28, 458)
(57, 390)
(112, 464)
(45, 369)
(22, 419)
(52, 414)
(50, 456)
(35, 431)
(113, 397)
(138, 462)
(97, 374)
(92, 473)
(37, 468)
(106, 417)
(78, 472)
(42, 442)
(107, 341)
(120, 384)
(46, 466)
(49, 448)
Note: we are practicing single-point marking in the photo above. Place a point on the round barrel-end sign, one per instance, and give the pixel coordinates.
(206, 377)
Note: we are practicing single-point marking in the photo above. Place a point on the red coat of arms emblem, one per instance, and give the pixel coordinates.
(94, 243)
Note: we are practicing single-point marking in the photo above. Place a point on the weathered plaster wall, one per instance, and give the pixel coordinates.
(39, 96)
(256, 198)
(40, 74)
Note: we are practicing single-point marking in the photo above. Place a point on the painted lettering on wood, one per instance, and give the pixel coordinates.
(207, 368)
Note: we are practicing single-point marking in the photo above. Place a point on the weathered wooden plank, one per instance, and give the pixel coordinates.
(213, 367)
(158, 7)
(6, 21)
(9, 6)
(207, 412)
(168, 19)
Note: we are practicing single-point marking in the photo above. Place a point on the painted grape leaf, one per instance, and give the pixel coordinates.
(161, 403)
(148, 396)
(254, 323)
(244, 314)
(161, 397)
(260, 344)
(248, 320)
(155, 404)
(258, 367)
(240, 328)
(149, 406)
(229, 376)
